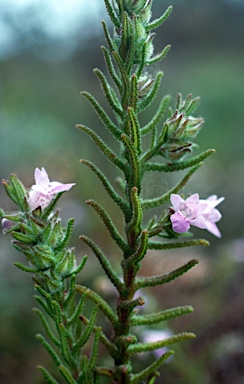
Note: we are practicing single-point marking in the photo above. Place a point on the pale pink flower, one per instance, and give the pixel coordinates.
(193, 211)
(212, 215)
(43, 192)
(187, 212)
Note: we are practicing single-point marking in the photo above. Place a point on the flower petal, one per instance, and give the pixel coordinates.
(176, 201)
(212, 228)
(199, 222)
(193, 199)
(41, 177)
(180, 223)
(60, 188)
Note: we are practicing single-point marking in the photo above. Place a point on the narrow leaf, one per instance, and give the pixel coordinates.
(107, 122)
(135, 174)
(152, 203)
(67, 237)
(160, 56)
(109, 224)
(147, 347)
(113, 277)
(152, 94)
(66, 374)
(49, 349)
(182, 244)
(138, 377)
(116, 198)
(162, 279)
(109, 41)
(87, 332)
(157, 117)
(155, 318)
(111, 14)
(103, 147)
(107, 91)
(47, 376)
(156, 23)
(45, 324)
(26, 269)
(102, 304)
(177, 166)
(110, 68)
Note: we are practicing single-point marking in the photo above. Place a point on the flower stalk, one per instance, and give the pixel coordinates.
(39, 234)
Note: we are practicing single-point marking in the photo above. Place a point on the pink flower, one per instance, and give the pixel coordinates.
(188, 212)
(212, 215)
(43, 192)
(193, 211)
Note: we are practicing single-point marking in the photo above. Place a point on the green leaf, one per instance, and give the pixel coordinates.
(47, 376)
(65, 349)
(109, 224)
(109, 95)
(46, 326)
(135, 133)
(46, 213)
(107, 122)
(44, 305)
(182, 244)
(177, 166)
(94, 352)
(111, 14)
(110, 68)
(133, 228)
(98, 300)
(49, 349)
(20, 192)
(153, 281)
(67, 237)
(26, 269)
(157, 117)
(104, 148)
(78, 310)
(134, 93)
(113, 277)
(66, 374)
(109, 41)
(146, 101)
(142, 62)
(26, 239)
(155, 318)
(71, 291)
(136, 378)
(110, 190)
(156, 145)
(125, 80)
(141, 250)
(160, 56)
(147, 347)
(156, 23)
(152, 203)
(86, 334)
(135, 175)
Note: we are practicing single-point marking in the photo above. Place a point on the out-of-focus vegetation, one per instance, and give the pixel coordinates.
(40, 105)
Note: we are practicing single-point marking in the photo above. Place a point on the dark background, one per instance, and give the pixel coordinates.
(41, 76)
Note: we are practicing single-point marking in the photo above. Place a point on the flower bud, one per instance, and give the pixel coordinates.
(182, 130)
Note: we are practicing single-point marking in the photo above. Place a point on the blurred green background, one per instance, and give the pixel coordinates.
(47, 53)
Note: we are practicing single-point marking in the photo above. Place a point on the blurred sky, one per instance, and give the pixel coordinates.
(24, 23)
